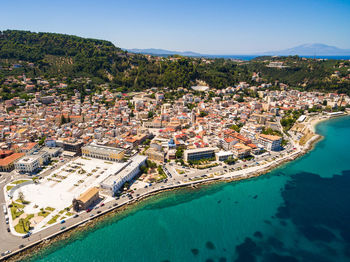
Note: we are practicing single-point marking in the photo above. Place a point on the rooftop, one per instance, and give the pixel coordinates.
(102, 148)
(88, 194)
(7, 160)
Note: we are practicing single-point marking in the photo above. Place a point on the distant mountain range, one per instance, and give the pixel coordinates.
(154, 51)
(312, 49)
(301, 50)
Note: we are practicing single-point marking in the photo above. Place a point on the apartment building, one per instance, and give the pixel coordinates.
(270, 142)
(199, 153)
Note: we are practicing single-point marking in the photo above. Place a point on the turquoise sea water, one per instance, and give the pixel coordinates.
(298, 212)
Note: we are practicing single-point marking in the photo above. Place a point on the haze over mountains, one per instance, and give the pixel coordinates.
(312, 49)
(154, 51)
(301, 50)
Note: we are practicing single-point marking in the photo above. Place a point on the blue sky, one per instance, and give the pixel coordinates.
(211, 27)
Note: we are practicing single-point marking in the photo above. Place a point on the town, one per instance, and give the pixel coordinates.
(69, 158)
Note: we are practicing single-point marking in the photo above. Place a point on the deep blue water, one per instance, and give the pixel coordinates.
(250, 57)
(298, 212)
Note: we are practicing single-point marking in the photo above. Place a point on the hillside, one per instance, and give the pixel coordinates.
(67, 57)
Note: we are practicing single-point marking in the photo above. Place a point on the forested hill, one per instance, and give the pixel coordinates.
(60, 53)
(30, 46)
(64, 56)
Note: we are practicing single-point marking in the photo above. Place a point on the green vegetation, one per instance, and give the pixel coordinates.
(203, 114)
(8, 188)
(270, 131)
(237, 128)
(161, 173)
(19, 182)
(179, 153)
(230, 161)
(59, 56)
(290, 118)
(43, 213)
(53, 219)
(16, 210)
(151, 164)
(50, 209)
(201, 161)
(23, 225)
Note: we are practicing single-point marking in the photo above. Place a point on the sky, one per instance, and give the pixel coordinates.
(204, 26)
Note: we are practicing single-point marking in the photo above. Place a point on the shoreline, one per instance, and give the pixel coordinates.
(84, 225)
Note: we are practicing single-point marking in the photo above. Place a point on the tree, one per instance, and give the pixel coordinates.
(126, 185)
(203, 114)
(179, 153)
(42, 140)
(21, 196)
(235, 127)
(150, 114)
(63, 120)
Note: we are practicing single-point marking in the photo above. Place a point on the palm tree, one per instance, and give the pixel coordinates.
(21, 196)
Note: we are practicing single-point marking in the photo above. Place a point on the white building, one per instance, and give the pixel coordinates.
(224, 155)
(116, 181)
(272, 143)
(31, 163)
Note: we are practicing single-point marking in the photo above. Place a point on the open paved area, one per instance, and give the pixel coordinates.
(55, 192)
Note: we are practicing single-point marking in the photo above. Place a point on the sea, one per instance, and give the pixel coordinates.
(297, 212)
(250, 57)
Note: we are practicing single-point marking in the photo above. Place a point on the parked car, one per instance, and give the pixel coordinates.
(27, 235)
(88, 210)
(8, 229)
(102, 204)
(63, 228)
(63, 221)
(75, 216)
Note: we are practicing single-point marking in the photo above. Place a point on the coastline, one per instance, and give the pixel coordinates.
(72, 231)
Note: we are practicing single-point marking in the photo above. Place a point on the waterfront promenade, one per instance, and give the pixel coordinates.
(175, 180)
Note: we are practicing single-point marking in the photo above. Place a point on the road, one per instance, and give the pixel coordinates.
(12, 243)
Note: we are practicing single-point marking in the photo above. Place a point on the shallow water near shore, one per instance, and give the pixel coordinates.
(298, 212)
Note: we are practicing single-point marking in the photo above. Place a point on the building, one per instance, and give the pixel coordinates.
(52, 151)
(114, 182)
(30, 148)
(86, 199)
(223, 155)
(103, 152)
(32, 163)
(49, 142)
(154, 154)
(228, 142)
(71, 145)
(270, 142)
(241, 150)
(199, 153)
(7, 164)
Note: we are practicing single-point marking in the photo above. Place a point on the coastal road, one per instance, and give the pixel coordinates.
(12, 243)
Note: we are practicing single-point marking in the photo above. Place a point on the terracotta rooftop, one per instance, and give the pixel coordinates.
(88, 194)
(9, 159)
